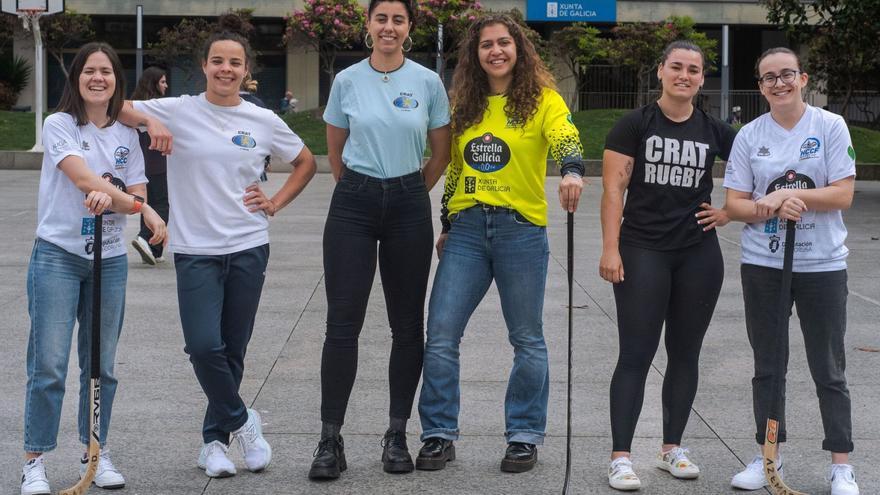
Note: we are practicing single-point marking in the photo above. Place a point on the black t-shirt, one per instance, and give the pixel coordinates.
(672, 174)
(154, 161)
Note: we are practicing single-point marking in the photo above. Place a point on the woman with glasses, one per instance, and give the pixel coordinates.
(797, 163)
(661, 253)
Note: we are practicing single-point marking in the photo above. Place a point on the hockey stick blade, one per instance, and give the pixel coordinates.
(771, 452)
(85, 482)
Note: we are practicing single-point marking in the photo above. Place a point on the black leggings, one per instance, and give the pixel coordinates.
(394, 214)
(679, 288)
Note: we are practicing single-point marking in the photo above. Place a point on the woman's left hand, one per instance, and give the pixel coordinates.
(255, 200)
(712, 217)
(570, 192)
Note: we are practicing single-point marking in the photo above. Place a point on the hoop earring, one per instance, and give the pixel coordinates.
(405, 49)
(368, 41)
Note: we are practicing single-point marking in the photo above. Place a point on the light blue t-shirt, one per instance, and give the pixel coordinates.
(388, 121)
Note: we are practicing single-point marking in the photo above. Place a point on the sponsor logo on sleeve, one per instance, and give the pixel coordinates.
(59, 146)
(851, 152)
(810, 148)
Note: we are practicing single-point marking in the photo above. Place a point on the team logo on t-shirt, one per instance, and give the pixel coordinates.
(810, 148)
(121, 156)
(487, 153)
(244, 140)
(406, 102)
(763, 151)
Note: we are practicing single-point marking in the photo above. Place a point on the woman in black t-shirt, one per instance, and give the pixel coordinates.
(661, 156)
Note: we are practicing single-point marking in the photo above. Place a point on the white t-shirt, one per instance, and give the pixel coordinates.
(218, 152)
(767, 157)
(113, 153)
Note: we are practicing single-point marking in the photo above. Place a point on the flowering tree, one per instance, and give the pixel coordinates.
(454, 15)
(327, 26)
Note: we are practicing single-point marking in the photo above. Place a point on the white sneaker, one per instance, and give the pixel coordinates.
(843, 480)
(143, 248)
(621, 475)
(213, 460)
(107, 476)
(33, 478)
(160, 259)
(753, 477)
(255, 449)
(676, 462)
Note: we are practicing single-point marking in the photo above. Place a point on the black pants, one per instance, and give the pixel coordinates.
(394, 214)
(678, 288)
(157, 197)
(821, 305)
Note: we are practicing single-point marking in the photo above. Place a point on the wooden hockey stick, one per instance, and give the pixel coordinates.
(570, 250)
(771, 437)
(95, 383)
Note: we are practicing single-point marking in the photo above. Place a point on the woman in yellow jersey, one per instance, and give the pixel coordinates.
(506, 116)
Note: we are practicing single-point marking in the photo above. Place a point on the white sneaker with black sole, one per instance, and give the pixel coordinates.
(677, 463)
(255, 449)
(107, 476)
(143, 248)
(752, 477)
(214, 461)
(33, 478)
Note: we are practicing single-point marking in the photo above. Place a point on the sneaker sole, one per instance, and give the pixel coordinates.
(511, 466)
(435, 463)
(111, 487)
(146, 257)
(666, 467)
(37, 493)
(626, 488)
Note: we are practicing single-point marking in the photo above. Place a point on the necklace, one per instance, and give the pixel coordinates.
(385, 77)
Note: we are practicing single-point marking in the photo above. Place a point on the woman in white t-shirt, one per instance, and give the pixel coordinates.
(218, 231)
(88, 155)
(795, 163)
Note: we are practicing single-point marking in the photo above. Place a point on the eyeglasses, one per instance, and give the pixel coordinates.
(787, 76)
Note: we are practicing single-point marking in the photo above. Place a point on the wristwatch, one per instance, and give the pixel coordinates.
(138, 204)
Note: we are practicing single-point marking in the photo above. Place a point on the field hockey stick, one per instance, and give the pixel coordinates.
(95, 382)
(771, 445)
(570, 251)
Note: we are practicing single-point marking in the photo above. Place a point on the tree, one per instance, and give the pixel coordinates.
(641, 45)
(578, 46)
(454, 15)
(63, 31)
(327, 26)
(842, 39)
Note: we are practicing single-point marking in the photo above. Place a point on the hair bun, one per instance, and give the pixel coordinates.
(230, 22)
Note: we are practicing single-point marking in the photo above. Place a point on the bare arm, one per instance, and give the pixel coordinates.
(439, 141)
(616, 173)
(740, 207)
(303, 170)
(336, 137)
(835, 196)
(160, 137)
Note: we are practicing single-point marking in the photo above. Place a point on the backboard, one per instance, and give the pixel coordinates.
(23, 6)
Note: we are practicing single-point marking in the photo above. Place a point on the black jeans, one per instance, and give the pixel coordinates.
(394, 214)
(157, 197)
(820, 298)
(676, 288)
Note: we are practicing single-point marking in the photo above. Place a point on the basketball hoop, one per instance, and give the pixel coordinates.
(30, 17)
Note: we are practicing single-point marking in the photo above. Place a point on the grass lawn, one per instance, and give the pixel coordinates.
(17, 132)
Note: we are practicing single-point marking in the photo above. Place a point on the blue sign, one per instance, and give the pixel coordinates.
(572, 11)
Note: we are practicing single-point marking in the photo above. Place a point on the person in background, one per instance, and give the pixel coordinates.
(288, 103)
(735, 117)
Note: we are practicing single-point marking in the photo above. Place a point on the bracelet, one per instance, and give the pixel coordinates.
(574, 174)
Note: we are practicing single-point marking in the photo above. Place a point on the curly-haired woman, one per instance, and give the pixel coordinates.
(506, 116)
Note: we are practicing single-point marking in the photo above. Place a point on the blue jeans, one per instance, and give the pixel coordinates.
(486, 244)
(218, 297)
(59, 287)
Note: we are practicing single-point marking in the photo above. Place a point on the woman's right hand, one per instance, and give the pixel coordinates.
(156, 225)
(441, 241)
(611, 266)
(97, 202)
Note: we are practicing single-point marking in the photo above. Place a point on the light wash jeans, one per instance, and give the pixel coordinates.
(485, 244)
(59, 287)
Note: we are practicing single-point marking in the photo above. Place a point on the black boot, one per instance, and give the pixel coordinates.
(330, 455)
(519, 457)
(395, 454)
(435, 453)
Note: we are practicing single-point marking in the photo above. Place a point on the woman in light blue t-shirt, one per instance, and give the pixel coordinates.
(379, 115)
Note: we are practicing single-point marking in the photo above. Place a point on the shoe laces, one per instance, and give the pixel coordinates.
(247, 435)
(213, 446)
(677, 454)
(104, 462)
(326, 444)
(622, 468)
(394, 438)
(841, 471)
(34, 471)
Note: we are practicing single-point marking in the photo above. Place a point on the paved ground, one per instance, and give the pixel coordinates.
(155, 434)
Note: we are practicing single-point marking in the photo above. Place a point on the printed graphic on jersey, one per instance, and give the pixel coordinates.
(487, 153)
(791, 180)
(406, 102)
(244, 140)
(565, 145)
(763, 151)
(121, 156)
(810, 148)
(85, 146)
(60, 146)
(851, 152)
(88, 226)
(674, 162)
(774, 243)
(470, 185)
(513, 123)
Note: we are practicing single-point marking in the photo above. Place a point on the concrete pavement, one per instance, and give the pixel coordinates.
(155, 435)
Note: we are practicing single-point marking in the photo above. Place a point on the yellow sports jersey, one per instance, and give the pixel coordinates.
(502, 162)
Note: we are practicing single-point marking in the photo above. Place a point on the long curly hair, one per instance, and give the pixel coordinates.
(471, 85)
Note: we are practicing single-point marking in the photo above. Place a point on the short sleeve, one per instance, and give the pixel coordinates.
(840, 157)
(162, 109)
(625, 136)
(333, 113)
(286, 145)
(60, 138)
(559, 130)
(738, 174)
(439, 111)
(135, 171)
